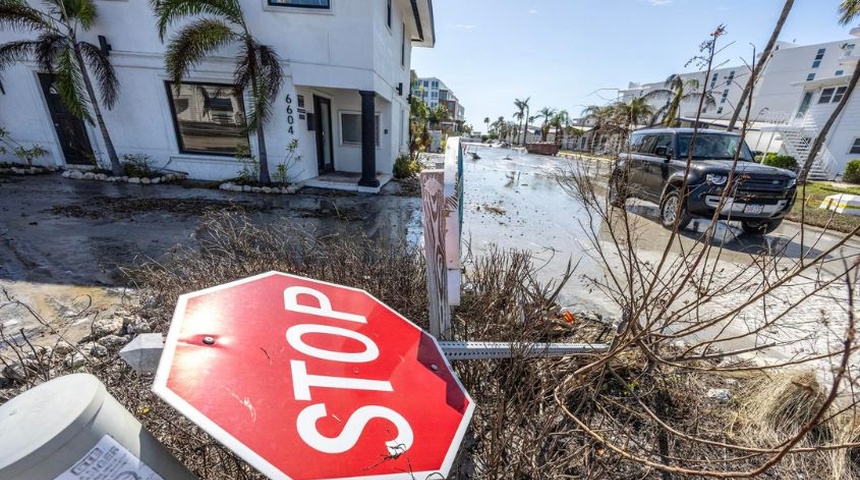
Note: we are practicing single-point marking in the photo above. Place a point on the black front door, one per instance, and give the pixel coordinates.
(325, 145)
(70, 129)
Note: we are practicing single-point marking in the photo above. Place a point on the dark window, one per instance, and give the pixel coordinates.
(720, 110)
(388, 17)
(209, 118)
(350, 124)
(826, 95)
(855, 147)
(840, 92)
(810, 77)
(664, 140)
(647, 145)
(403, 47)
(804, 104)
(818, 56)
(302, 3)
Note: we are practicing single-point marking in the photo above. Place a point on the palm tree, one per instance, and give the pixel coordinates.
(487, 123)
(635, 112)
(848, 10)
(438, 115)
(676, 90)
(765, 56)
(603, 118)
(57, 50)
(258, 68)
(523, 115)
(560, 121)
(546, 113)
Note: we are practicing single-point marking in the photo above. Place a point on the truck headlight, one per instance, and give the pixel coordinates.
(791, 182)
(716, 179)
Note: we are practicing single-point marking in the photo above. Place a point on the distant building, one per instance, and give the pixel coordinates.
(800, 87)
(434, 92)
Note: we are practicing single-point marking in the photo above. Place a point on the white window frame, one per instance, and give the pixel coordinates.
(343, 142)
(855, 143)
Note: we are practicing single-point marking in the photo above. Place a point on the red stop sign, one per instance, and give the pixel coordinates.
(310, 380)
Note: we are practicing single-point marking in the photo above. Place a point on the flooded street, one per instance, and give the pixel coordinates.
(62, 242)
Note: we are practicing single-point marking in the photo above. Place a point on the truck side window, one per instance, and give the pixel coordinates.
(648, 144)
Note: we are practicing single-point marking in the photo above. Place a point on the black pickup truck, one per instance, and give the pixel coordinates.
(653, 169)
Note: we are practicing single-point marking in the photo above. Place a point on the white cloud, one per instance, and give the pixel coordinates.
(659, 3)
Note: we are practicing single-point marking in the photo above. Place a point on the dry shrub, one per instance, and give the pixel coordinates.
(778, 405)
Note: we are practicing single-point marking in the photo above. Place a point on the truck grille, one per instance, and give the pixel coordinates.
(761, 184)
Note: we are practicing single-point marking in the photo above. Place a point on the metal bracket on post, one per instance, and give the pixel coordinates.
(486, 350)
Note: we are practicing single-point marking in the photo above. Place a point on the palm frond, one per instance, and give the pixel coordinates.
(258, 68)
(270, 71)
(661, 94)
(70, 85)
(101, 68)
(167, 12)
(83, 11)
(13, 52)
(17, 15)
(191, 44)
(48, 50)
(848, 11)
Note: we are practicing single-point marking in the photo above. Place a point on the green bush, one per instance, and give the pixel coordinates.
(852, 172)
(405, 166)
(137, 165)
(780, 161)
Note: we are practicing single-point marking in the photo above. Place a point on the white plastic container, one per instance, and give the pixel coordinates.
(71, 428)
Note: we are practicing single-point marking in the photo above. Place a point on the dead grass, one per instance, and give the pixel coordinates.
(525, 425)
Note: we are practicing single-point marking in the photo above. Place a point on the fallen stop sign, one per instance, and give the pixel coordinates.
(310, 380)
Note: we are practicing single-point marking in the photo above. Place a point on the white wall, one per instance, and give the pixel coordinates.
(340, 51)
(792, 64)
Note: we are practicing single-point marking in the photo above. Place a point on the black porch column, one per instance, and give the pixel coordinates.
(368, 139)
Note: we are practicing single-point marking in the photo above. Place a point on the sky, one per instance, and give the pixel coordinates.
(569, 54)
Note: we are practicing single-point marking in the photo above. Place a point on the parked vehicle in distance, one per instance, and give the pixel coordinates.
(654, 169)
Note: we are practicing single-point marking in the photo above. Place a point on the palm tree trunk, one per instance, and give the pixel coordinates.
(116, 167)
(264, 157)
(765, 55)
(822, 135)
(526, 127)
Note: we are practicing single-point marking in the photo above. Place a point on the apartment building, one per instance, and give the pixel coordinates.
(434, 92)
(346, 65)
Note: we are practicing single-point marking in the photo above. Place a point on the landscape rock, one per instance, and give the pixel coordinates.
(67, 174)
(107, 326)
(267, 190)
(74, 360)
(99, 351)
(719, 394)
(145, 181)
(89, 176)
(246, 188)
(134, 180)
(101, 177)
(139, 325)
(15, 371)
(156, 180)
(63, 348)
(76, 175)
(112, 341)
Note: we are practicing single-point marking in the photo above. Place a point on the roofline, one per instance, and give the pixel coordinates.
(427, 29)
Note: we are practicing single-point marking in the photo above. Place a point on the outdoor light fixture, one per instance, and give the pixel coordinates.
(104, 45)
(400, 89)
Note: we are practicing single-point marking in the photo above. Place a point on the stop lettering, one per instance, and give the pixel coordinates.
(310, 380)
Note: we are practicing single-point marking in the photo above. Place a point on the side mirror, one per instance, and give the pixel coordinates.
(664, 152)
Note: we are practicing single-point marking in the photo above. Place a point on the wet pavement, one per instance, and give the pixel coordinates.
(62, 241)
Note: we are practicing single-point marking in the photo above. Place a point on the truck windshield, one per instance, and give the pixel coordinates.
(713, 146)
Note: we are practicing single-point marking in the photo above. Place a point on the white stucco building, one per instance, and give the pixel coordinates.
(346, 64)
(801, 86)
(796, 93)
(725, 86)
(433, 92)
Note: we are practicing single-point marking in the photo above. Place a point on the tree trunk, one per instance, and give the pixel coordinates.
(822, 135)
(264, 157)
(116, 167)
(765, 55)
(526, 127)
